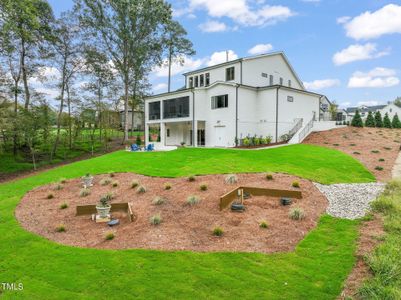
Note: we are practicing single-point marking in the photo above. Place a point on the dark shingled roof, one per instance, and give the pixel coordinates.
(365, 109)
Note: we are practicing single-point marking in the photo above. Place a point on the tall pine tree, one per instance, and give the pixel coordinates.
(378, 119)
(396, 122)
(370, 120)
(386, 121)
(357, 120)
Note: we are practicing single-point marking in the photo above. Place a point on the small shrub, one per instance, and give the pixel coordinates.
(50, 196)
(64, 206)
(352, 145)
(63, 180)
(387, 148)
(263, 224)
(57, 187)
(295, 184)
(203, 187)
(111, 174)
(336, 145)
(158, 200)
(378, 168)
(381, 159)
(60, 228)
(218, 231)
(269, 177)
(193, 200)
(115, 183)
(84, 192)
(357, 153)
(141, 189)
(134, 183)
(105, 181)
(108, 197)
(191, 178)
(375, 151)
(297, 214)
(231, 179)
(109, 236)
(383, 205)
(155, 220)
(167, 186)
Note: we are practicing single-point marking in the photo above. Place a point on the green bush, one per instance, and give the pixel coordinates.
(396, 123)
(378, 119)
(356, 153)
(375, 151)
(295, 184)
(269, 177)
(64, 206)
(203, 187)
(109, 236)
(155, 220)
(57, 187)
(158, 200)
(193, 200)
(50, 196)
(134, 183)
(167, 186)
(370, 120)
(60, 228)
(246, 142)
(357, 120)
(296, 213)
(141, 189)
(263, 224)
(386, 121)
(191, 178)
(378, 168)
(381, 159)
(84, 192)
(115, 183)
(218, 231)
(105, 181)
(138, 140)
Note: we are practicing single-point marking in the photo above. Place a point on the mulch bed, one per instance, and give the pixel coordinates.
(183, 227)
(363, 144)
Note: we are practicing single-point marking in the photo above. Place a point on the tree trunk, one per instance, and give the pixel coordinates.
(24, 75)
(169, 70)
(69, 117)
(126, 85)
(15, 117)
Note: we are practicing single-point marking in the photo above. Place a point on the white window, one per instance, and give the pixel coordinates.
(201, 80)
(219, 101)
(264, 75)
(196, 81)
(289, 83)
(168, 132)
(290, 98)
(281, 81)
(207, 79)
(191, 82)
(230, 74)
(271, 80)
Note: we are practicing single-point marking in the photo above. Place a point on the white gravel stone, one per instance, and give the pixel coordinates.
(350, 201)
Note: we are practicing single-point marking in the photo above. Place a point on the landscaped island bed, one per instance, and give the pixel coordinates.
(183, 226)
(376, 148)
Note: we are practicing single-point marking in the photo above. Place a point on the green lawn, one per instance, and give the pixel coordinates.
(315, 270)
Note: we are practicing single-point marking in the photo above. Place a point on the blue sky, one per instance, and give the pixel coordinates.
(348, 50)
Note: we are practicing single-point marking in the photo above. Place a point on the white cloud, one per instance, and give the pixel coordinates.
(241, 12)
(213, 26)
(260, 48)
(220, 57)
(321, 84)
(369, 25)
(343, 20)
(376, 78)
(369, 103)
(160, 86)
(176, 68)
(344, 104)
(358, 52)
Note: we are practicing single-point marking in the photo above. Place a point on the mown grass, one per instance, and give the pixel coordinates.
(315, 270)
(385, 261)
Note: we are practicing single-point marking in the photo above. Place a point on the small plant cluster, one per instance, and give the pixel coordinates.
(167, 186)
(158, 200)
(191, 178)
(64, 206)
(84, 192)
(255, 141)
(296, 214)
(263, 224)
(50, 196)
(231, 179)
(109, 236)
(105, 181)
(141, 189)
(296, 184)
(346, 123)
(134, 183)
(269, 177)
(218, 231)
(193, 200)
(58, 187)
(60, 228)
(155, 220)
(203, 187)
(115, 183)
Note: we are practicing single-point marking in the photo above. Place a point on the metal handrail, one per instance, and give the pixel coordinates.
(306, 130)
(297, 126)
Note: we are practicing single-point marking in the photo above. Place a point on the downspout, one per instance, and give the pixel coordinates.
(320, 98)
(278, 87)
(193, 117)
(236, 115)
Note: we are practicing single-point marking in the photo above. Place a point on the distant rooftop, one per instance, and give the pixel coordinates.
(365, 109)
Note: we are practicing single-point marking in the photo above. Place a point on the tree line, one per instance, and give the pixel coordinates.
(94, 58)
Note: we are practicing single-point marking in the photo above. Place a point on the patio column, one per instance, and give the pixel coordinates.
(195, 134)
(146, 134)
(163, 134)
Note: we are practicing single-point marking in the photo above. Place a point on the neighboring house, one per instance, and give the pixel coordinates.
(137, 118)
(260, 95)
(389, 108)
(341, 115)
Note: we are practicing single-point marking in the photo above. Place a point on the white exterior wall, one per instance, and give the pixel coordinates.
(275, 65)
(218, 74)
(391, 109)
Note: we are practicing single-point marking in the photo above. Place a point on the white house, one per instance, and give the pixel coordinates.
(390, 108)
(219, 105)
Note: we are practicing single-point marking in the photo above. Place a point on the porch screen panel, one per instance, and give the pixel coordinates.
(176, 108)
(154, 110)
